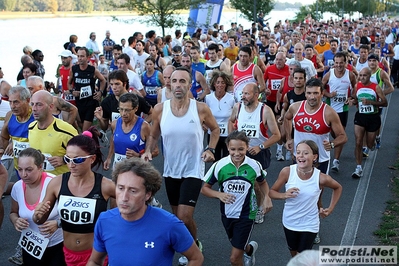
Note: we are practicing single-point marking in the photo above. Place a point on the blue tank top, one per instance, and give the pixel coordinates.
(384, 50)
(196, 89)
(19, 132)
(131, 140)
(150, 85)
(17, 129)
(200, 67)
(328, 60)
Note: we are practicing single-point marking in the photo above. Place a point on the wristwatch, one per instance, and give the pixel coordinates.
(332, 145)
(210, 149)
(262, 147)
(59, 223)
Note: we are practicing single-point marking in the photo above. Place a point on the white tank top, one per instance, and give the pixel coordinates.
(342, 87)
(26, 211)
(163, 98)
(301, 213)
(251, 124)
(221, 110)
(182, 142)
(360, 66)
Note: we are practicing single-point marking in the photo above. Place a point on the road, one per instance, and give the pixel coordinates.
(356, 216)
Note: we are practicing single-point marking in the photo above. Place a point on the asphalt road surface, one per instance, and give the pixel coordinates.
(356, 216)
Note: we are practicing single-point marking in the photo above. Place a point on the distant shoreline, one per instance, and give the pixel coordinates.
(22, 15)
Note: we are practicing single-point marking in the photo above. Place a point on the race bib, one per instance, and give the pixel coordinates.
(115, 116)
(223, 129)
(275, 84)
(340, 98)
(251, 130)
(151, 90)
(69, 97)
(366, 108)
(76, 210)
(18, 146)
(46, 164)
(33, 243)
(85, 92)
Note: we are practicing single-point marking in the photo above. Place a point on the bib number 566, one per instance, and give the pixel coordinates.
(31, 247)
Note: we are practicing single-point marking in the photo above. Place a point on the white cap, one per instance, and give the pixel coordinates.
(66, 53)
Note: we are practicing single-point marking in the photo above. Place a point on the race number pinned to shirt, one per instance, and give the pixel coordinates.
(275, 84)
(18, 146)
(150, 90)
(340, 98)
(365, 108)
(33, 243)
(47, 166)
(69, 97)
(76, 210)
(251, 130)
(223, 129)
(85, 92)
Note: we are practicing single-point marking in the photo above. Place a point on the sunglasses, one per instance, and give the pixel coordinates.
(76, 160)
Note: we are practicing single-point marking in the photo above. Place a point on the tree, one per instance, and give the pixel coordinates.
(53, 6)
(85, 6)
(162, 13)
(8, 5)
(247, 7)
(66, 5)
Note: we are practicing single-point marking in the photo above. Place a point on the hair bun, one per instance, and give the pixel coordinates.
(87, 133)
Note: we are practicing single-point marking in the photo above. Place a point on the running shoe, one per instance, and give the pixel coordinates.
(365, 152)
(288, 156)
(335, 166)
(259, 217)
(378, 142)
(316, 239)
(250, 260)
(17, 257)
(358, 173)
(279, 156)
(104, 138)
(156, 203)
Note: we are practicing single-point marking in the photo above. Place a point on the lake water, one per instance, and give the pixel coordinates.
(49, 35)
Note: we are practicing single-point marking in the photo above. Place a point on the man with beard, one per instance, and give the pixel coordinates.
(255, 118)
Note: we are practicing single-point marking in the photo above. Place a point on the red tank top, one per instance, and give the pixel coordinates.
(311, 123)
(286, 89)
(274, 76)
(314, 61)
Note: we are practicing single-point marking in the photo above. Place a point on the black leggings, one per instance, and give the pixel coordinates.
(221, 148)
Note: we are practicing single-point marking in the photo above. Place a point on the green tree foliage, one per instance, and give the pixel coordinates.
(8, 5)
(161, 13)
(66, 5)
(85, 6)
(247, 7)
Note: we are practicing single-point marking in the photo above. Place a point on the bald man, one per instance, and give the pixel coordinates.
(305, 63)
(61, 109)
(49, 134)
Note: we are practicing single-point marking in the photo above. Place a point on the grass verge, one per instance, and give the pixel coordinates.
(388, 233)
